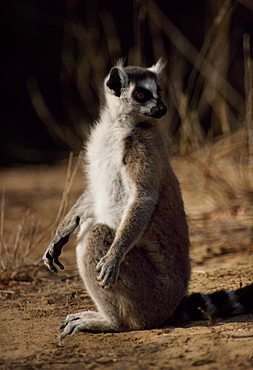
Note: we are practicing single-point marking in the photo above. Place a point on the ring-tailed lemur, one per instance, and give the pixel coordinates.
(133, 244)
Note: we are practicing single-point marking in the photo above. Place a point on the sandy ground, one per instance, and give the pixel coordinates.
(34, 301)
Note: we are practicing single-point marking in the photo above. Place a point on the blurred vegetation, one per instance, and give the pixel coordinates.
(71, 45)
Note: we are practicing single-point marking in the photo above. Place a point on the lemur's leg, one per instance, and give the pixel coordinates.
(78, 214)
(89, 251)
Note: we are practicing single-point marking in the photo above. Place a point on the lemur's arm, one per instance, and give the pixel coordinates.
(144, 182)
(135, 220)
(71, 223)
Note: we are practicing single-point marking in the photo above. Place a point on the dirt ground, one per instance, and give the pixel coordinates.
(34, 301)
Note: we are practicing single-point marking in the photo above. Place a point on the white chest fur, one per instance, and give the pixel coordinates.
(108, 186)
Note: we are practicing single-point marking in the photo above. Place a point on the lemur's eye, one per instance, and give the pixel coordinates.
(140, 95)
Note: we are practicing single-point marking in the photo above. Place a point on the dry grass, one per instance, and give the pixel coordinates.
(15, 251)
(234, 151)
(17, 259)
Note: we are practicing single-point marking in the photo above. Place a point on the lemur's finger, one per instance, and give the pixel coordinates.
(58, 263)
(99, 266)
(53, 268)
(48, 261)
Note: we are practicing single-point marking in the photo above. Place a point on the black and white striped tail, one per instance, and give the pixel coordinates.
(199, 306)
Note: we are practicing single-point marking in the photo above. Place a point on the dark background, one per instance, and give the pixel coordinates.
(36, 34)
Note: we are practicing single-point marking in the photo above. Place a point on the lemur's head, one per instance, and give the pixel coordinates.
(135, 90)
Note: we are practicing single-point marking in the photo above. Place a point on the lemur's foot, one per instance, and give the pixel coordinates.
(84, 321)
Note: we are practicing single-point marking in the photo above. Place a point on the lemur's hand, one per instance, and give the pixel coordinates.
(66, 228)
(53, 252)
(109, 271)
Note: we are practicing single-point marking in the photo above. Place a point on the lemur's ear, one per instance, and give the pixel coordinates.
(116, 80)
(158, 67)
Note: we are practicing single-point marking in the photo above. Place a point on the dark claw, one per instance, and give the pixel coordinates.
(58, 263)
(54, 269)
(50, 264)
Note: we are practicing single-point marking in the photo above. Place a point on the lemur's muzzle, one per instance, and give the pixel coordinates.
(159, 111)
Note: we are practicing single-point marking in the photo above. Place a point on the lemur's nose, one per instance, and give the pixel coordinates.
(162, 107)
(159, 111)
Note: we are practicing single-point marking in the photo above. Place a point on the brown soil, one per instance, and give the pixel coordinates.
(34, 301)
